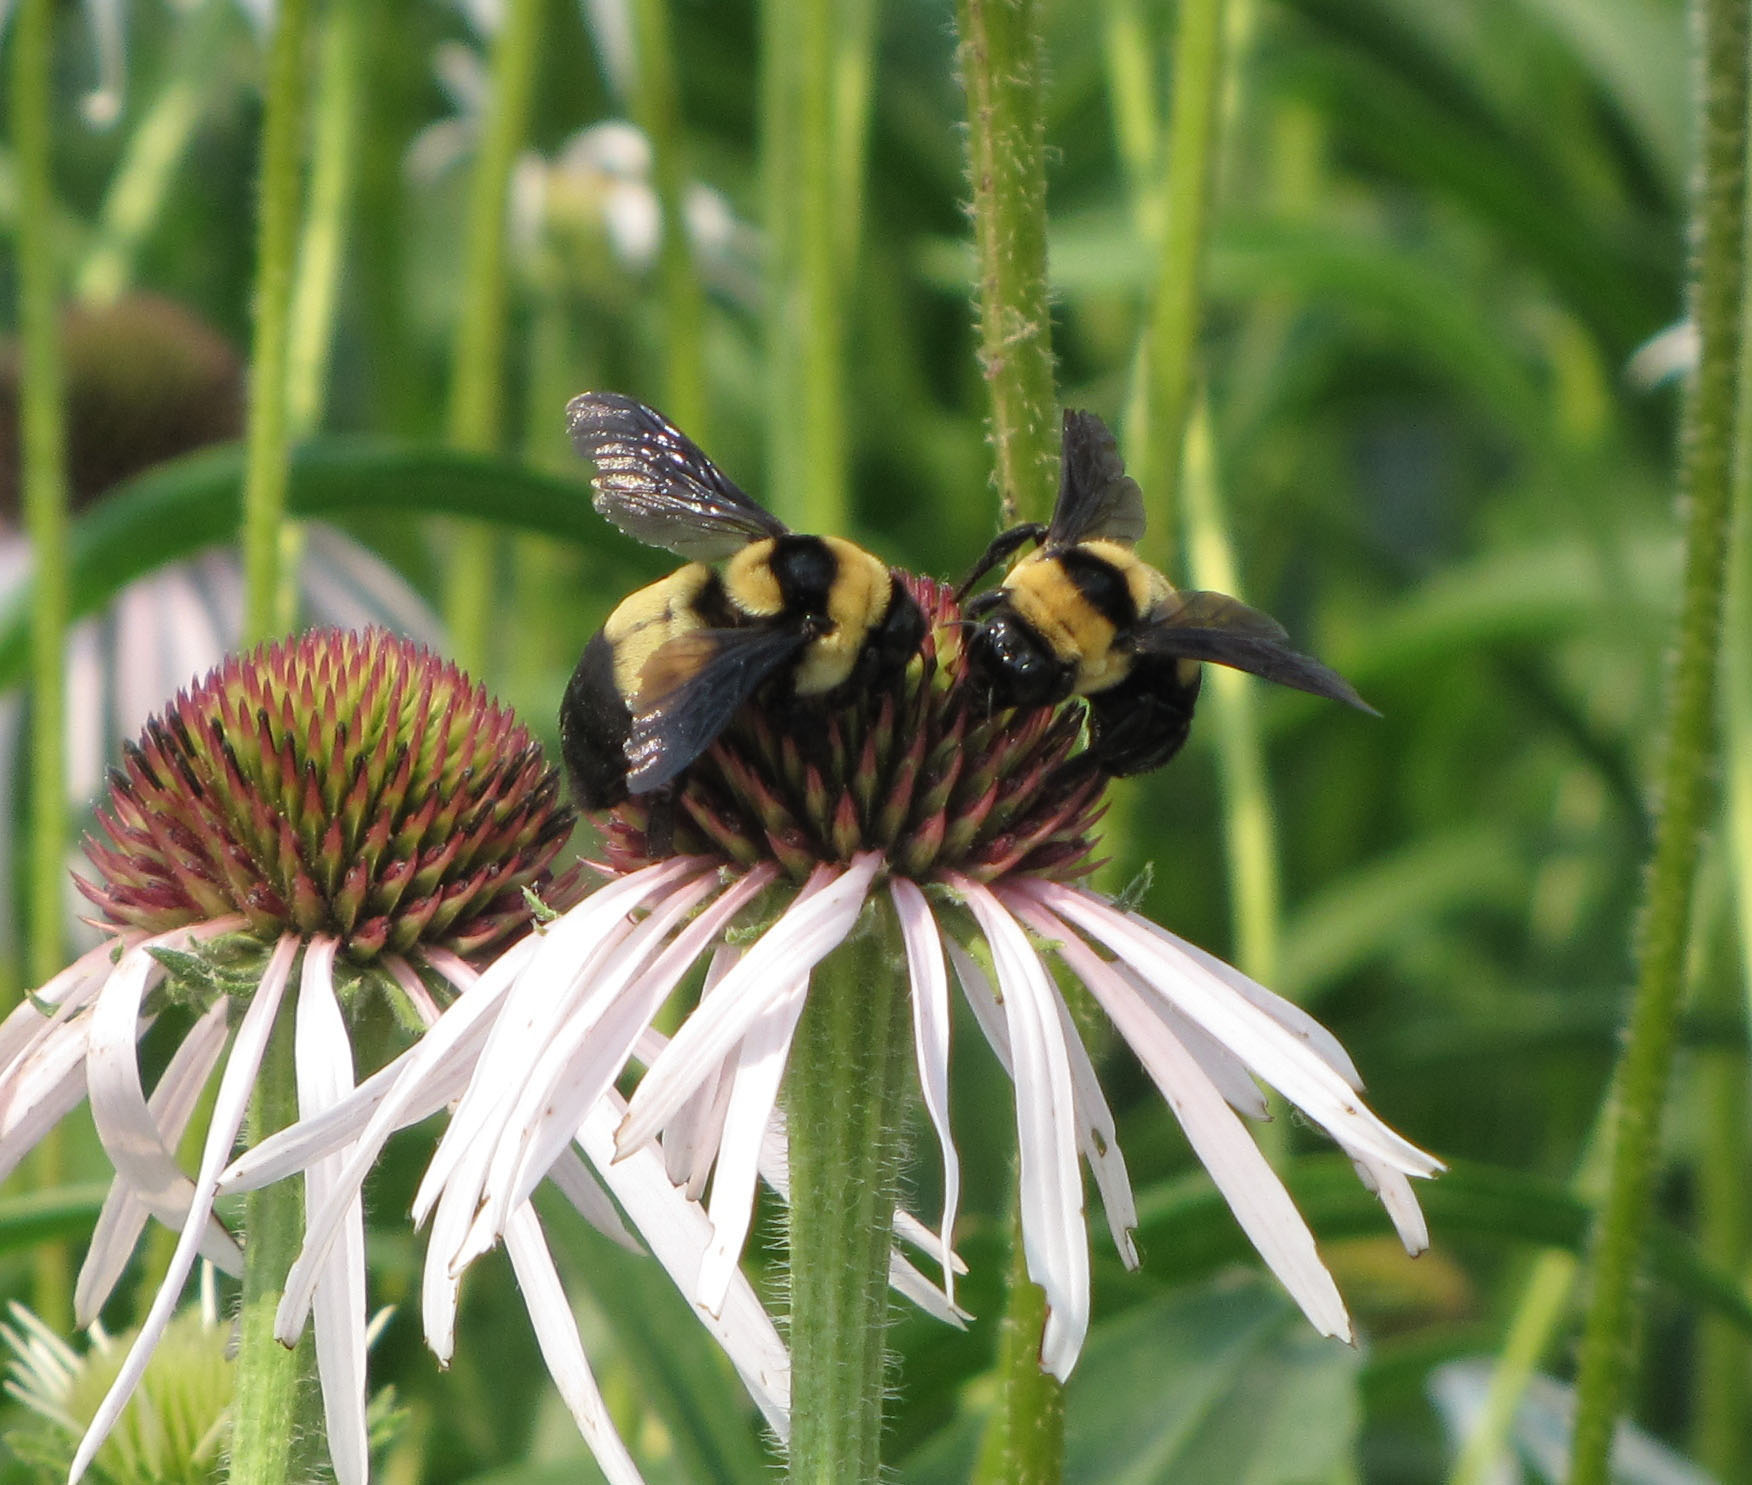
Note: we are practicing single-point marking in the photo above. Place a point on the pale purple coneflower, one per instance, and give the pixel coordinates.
(967, 834)
(343, 818)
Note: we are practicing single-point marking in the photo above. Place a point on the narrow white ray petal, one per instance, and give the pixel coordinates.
(565, 1079)
(1054, 1239)
(906, 1281)
(131, 1137)
(412, 986)
(1286, 1013)
(42, 1088)
(1215, 1132)
(556, 1332)
(72, 988)
(324, 1062)
(172, 1105)
(1277, 1054)
(1221, 1066)
(231, 1102)
(457, 1032)
(691, 1138)
(982, 1000)
(579, 1185)
(522, 1026)
(810, 928)
(677, 1232)
(930, 1007)
(565, 955)
(760, 1065)
(1098, 1141)
(1397, 1197)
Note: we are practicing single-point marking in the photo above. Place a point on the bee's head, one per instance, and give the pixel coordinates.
(1009, 661)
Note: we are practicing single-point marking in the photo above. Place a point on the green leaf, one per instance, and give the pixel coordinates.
(177, 509)
(1187, 1221)
(49, 1216)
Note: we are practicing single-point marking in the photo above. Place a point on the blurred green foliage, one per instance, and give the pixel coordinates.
(1441, 235)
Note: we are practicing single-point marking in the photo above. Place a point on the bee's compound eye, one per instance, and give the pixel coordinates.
(1015, 666)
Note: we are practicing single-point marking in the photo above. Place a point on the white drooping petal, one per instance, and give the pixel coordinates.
(1221, 1066)
(1215, 1132)
(71, 989)
(930, 1008)
(578, 1184)
(236, 1084)
(124, 1214)
(1098, 1140)
(692, 1137)
(556, 1332)
(324, 1061)
(457, 1033)
(822, 914)
(760, 1065)
(1278, 1054)
(1397, 1198)
(1054, 1241)
(677, 1232)
(131, 1137)
(1285, 1012)
(42, 1087)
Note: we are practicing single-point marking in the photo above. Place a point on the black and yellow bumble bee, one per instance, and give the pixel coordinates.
(1084, 615)
(785, 615)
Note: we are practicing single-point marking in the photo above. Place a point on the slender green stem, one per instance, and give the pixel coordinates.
(272, 1390)
(42, 417)
(477, 386)
(1003, 59)
(1640, 1082)
(657, 110)
(42, 435)
(805, 332)
(1025, 1440)
(1171, 348)
(1131, 95)
(1251, 834)
(264, 489)
(845, 1094)
(334, 149)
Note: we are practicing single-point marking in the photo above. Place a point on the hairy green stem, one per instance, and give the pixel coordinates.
(264, 486)
(806, 278)
(1171, 346)
(845, 1095)
(1024, 1442)
(477, 386)
(273, 1391)
(1003, 62)
(1640, 1081)
(657, 110)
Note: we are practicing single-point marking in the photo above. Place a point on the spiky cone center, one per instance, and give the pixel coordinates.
(344, 783)
(925, 772)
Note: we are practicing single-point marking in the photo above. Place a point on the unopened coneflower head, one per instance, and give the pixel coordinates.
(971, 831)
(345, 816)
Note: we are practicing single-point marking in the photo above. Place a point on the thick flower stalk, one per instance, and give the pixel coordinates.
(337, 824)
(918, 817)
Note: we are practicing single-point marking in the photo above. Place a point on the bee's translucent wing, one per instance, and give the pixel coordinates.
(653, 482)
(1213, 626)
(690, 689)
(1096, 497)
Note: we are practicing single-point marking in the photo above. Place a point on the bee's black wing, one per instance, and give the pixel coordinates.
(1216, 627)
(689, 691)
(653, 482)
(1096, 497)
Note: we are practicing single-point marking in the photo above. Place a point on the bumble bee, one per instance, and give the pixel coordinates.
(787, 615)
(1085, 616)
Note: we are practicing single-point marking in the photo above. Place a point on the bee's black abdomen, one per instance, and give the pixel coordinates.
(594, 723)
(1142, 722)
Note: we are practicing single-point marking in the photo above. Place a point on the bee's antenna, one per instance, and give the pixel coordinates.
(1003, 544)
